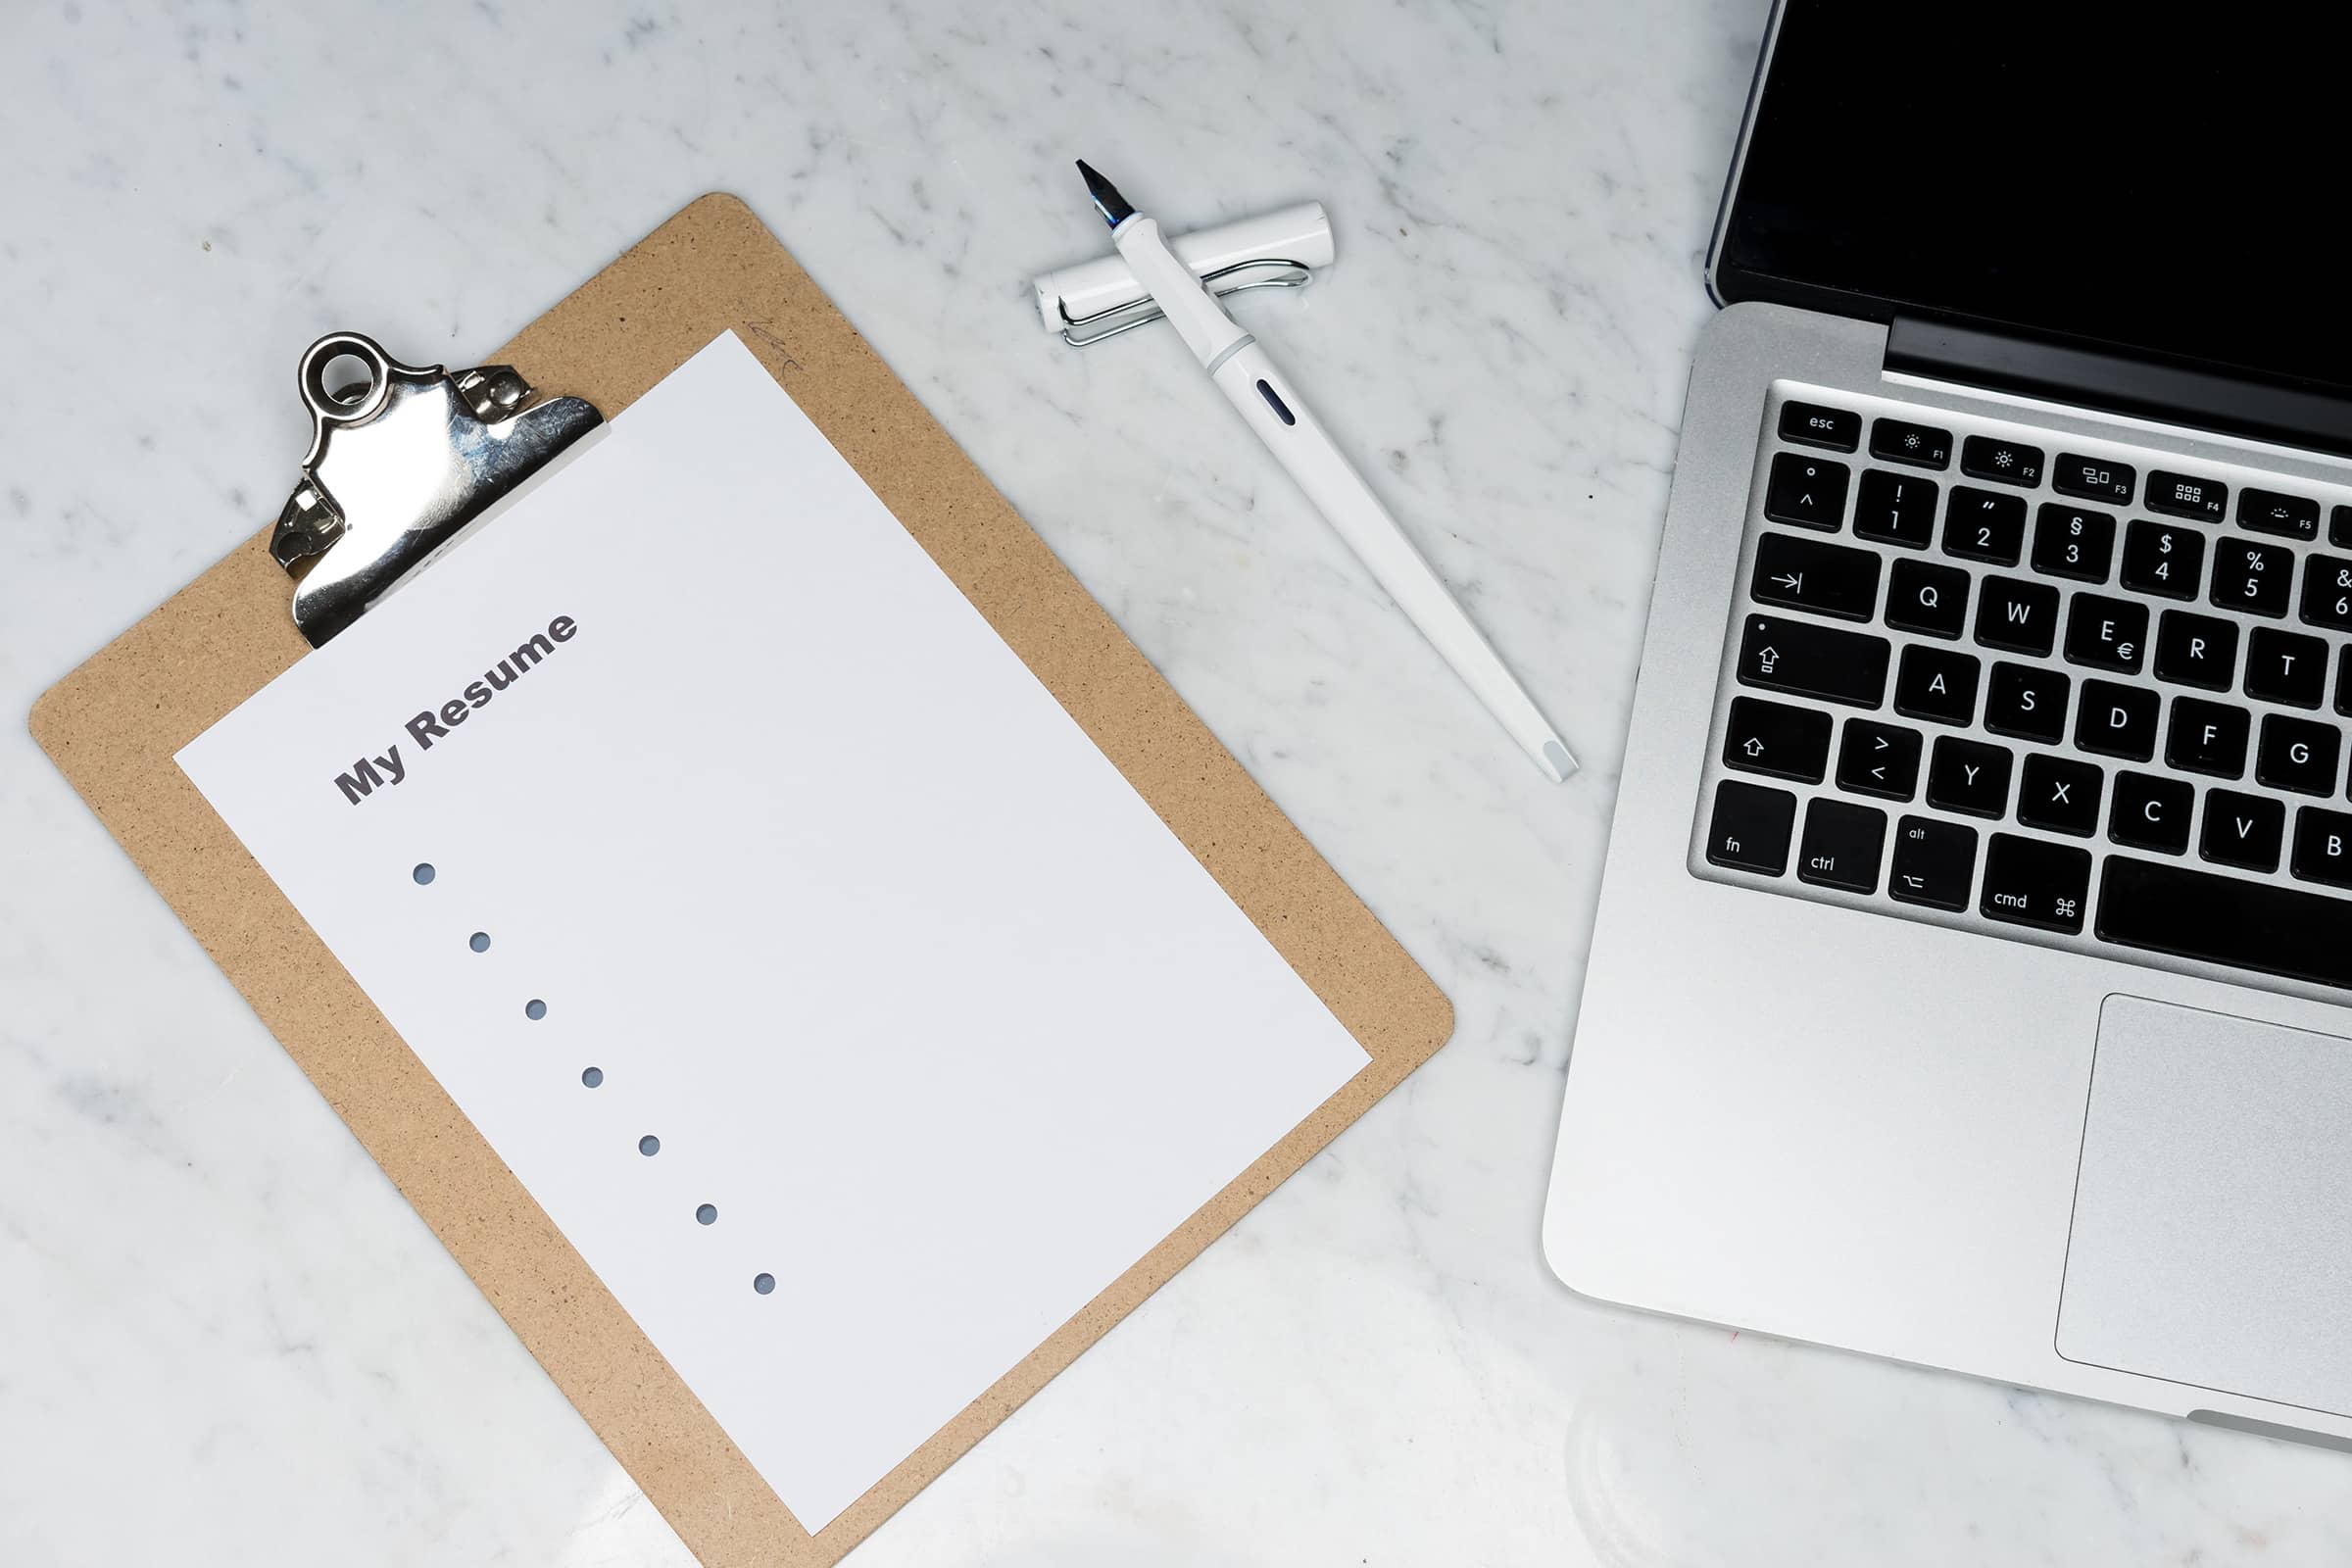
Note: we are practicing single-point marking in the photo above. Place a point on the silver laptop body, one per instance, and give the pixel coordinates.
(1970, 1138)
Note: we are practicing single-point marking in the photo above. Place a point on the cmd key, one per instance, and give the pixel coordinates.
(1793, 656)
(2031, 882)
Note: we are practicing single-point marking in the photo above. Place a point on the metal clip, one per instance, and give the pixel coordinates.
(1286, 274)
(403, 460)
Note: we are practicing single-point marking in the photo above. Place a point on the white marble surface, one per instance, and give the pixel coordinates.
(224, 1339)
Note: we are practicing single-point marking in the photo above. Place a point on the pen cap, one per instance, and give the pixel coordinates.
(1299, 233)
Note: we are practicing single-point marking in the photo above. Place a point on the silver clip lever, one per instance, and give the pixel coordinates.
(1241, 276)
(403, 460)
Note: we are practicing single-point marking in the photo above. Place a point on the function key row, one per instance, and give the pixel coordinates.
(2088, 478)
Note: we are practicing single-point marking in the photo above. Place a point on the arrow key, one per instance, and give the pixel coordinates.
(1880, 760)
(1777, 739)
(1813, 575)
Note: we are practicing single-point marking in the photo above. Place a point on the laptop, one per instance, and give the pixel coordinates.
(1970, 976)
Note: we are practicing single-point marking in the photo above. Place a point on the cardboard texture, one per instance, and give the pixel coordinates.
(112, 726)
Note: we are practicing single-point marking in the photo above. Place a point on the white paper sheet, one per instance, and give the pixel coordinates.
(908, 983)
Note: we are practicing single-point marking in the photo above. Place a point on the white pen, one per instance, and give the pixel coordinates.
(1299, 441)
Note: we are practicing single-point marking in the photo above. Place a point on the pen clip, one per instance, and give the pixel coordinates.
(1282, 274)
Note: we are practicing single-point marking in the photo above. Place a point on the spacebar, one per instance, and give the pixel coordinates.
(2221, 919)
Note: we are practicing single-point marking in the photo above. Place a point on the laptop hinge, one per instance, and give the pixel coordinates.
(2269, 411)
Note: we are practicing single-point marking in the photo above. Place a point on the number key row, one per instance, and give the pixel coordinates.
(2079, 543)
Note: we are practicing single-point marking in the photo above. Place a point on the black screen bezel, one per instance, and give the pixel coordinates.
(1729, 282)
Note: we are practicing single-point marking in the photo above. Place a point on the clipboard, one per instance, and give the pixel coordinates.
(114, 724)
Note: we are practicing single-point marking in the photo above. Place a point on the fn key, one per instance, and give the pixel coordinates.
(1749, 830)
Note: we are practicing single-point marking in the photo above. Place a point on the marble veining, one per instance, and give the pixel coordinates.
(227, 1339)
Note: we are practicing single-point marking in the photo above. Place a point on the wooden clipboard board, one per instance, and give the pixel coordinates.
(112, 726)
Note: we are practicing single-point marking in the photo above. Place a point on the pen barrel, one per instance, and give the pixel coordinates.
(1197, 319)
(1266, 398)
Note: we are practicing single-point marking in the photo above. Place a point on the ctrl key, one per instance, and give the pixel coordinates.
(2031, 882)
(1751, 828)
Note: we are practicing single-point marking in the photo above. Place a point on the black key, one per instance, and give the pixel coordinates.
(2117, 720)
(1934, 862)
(2060, 794)
(1813, 575)
(2179, 495)
(1897, 509)
(1905, 442)
(2322, 847)
(2094, 478)
(2193, 650)
(2151, 811)
(1807, 491)
(2074, 542)
(2269, 511)
(1842, 846)
(2242, 830)
(1880, 760)
(2027, 702)
(1774, 738)
(2107, 633)
(2327, 591)
(2207, 737)
(1981, 457)
(2343, 681)
(2252, 576)
(2339, 527)
(2017, 616)
(1936, 683)
(2164, 559)
(1982, 526)
(1750, 831)
(2028, 882)
(1924, 597)
(2297, 753)
(2286, 667)
(1791, 656)
(1969, 777)
(1810, 425)
(2226, 920)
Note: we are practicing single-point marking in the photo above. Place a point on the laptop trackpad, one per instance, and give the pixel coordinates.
(2211, 1239)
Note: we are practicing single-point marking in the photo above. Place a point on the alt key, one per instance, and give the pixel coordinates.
(1935, 862)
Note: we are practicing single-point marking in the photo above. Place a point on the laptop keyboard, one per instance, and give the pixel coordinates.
(2006, 679)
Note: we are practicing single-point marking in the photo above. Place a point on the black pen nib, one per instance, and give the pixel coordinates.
(1107, 200)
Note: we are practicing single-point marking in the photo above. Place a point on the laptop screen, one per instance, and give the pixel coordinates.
(2112, 174)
